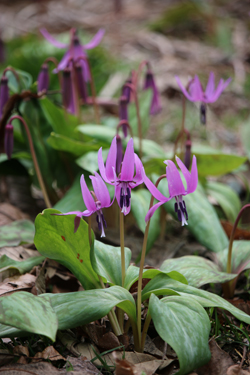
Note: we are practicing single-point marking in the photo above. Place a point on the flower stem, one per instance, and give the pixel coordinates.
(145, 330)
(122, 247)
(139, 122)
(143, 255)
(229, 286)
(111, 315)
(33, 154)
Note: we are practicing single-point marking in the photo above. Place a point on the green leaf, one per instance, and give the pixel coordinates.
(106, 261)
(197, 270)
(55, 239)
(144, 105)
(89, 161)
(62, 122)
(139, 206)
(240, 257)
(24, 82)
(17, 232)
(63, 143)
(203, 221)
(217, 164)
(185, 326)
(20, 266)
(226, 197)
(29, 313)
(164, 285)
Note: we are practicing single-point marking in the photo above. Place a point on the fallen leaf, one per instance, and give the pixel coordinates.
(21, 350)
(17, 283)
(236, 370)
(219, 362)
(44, 368)
(80, 367)
(48, 353)
(123, 367)
(103, 339)
(240, 234)
(9, 213)
(5, 357)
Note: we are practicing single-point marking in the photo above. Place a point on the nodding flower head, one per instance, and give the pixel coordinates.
(74, 50)
(126, 180)
(4, 93)
(95, 201)
(126, 90)
(123, 114)
(195, 92)
(67, 91)
(8, 140)
(175, 187)
(81, 83)
(43, 79)
(149, 83)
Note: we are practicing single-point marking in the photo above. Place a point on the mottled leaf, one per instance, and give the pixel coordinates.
(240, 257)
(17, 232)
(19, 266)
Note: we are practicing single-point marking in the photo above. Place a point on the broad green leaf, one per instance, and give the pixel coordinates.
(226, 198)
(89, 161)
(144, 105)
(19, 266)
(62, 143)
(203, 221)
(240, 257)
(61, 121)
(197, 270)
(72, 200)
(106, 261)
(55, 239)
(29, 313)
(79, 308)
(185, 326)
(139, 206)
(218, 164)
(164, 285)
(24, 82)
(17, 232)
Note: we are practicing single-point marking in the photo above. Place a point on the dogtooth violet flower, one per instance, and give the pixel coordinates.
(149, 83)
(74, 50)
(195, 92)
(175, 187)
(43, 79)
(4, 93)
(126, 180)
(95, 201)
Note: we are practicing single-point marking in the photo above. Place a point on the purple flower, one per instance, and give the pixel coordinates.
(123, 114)
(195, 91)
(8, 140)
(74, 50)
(81, 84)
(4, 93)
(150, 84)
(94, 201)
(67, 91)
(126, 180)
(175, 187)
(43, 79)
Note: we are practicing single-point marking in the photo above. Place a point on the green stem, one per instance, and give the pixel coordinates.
(145, 330)
(33, 154)
(143, 255)
(122, 247)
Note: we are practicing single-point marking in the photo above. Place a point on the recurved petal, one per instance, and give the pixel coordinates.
(152, 210)
(128, 164)
(153, 190)
(221, 87)
(139, 174)
(194, 177)
(96, 40)
(51, 39)
(101, 190)
(183, 89)
(175, 185)
(197, 92)
(63, 63)
(210, 85)
(87, 197)
(111, 161)
(184, 170)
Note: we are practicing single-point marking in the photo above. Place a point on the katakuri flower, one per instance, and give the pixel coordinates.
(95, 201)
(126, 180)
(149, 83)
(43, 79)
(4, 93)
(175, 187)
(75, 50)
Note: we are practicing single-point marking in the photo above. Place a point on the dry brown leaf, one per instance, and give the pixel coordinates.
(48, 353)
(240, 234)
(43, 368)
(123, 367)
(5, 357)
(81, 367)
(23, 360)
(236, 370)
(103, 339)
(219, 362)
(18, 252)
(9, 213)
(17, 283)
(21, 350)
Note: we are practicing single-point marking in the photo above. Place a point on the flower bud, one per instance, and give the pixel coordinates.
(187, 156)
(4, 93)
(8, 140)
(81, 83)
(126, 90)
(123, 108)
(67, 91)
(149, 83)
(43, 79)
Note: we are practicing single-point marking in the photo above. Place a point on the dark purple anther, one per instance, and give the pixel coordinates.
(8, 140)
(119, 155)
(67, 91)
(4, 93)
(43, 79)
(81, 83)
(203, 111)
(187, 156)
(123, 109)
